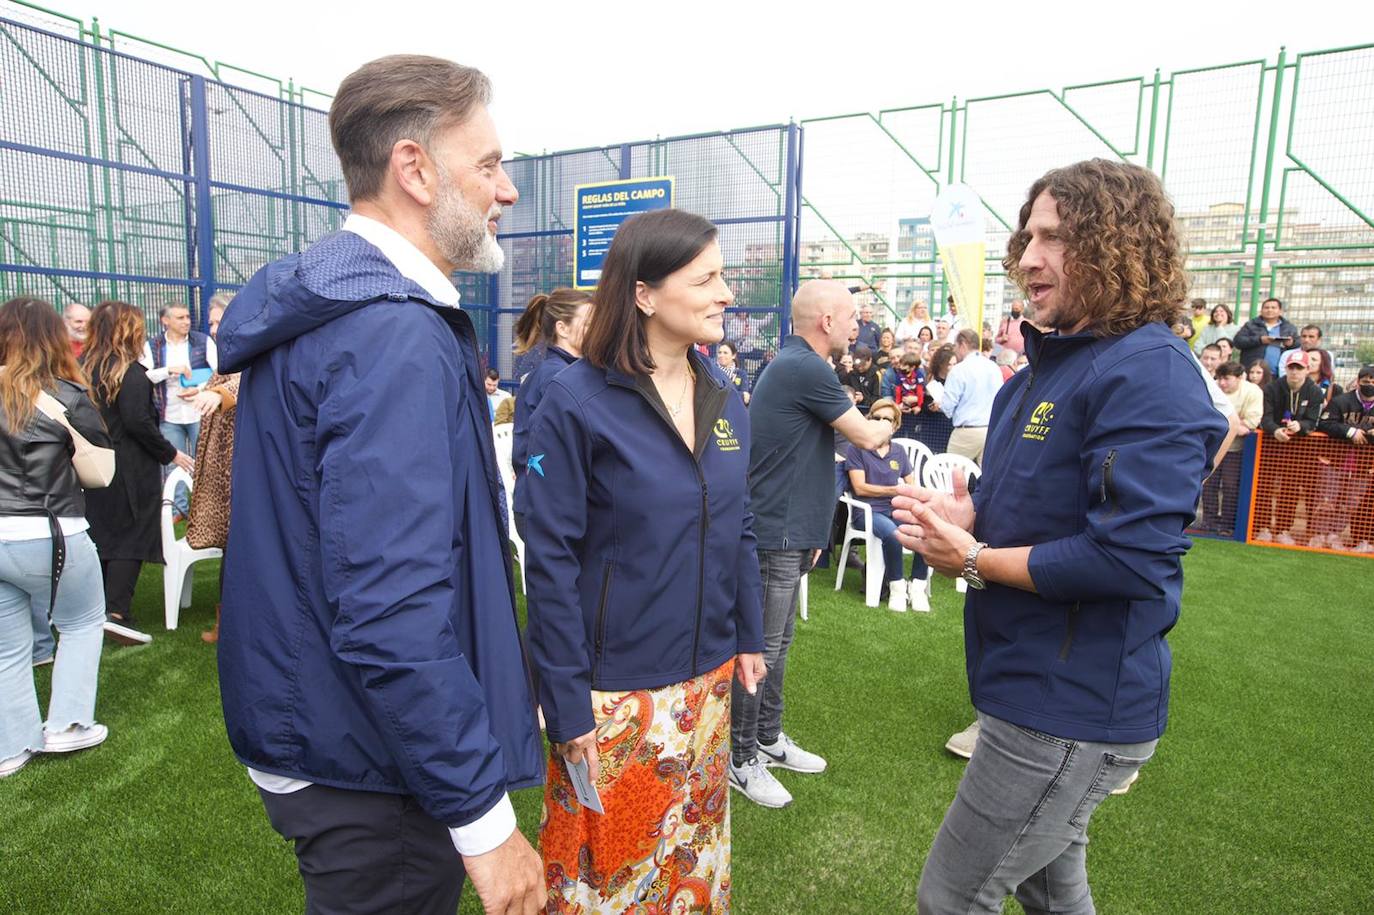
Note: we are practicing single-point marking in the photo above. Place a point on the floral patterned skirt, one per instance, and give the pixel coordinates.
(663, 845)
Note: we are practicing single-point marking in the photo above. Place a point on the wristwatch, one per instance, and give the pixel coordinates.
(970, 573)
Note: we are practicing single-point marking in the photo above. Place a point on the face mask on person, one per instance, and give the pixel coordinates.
(1367, 391)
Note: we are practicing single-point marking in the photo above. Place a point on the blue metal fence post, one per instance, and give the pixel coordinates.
(205, 216)
(188, 206)
(493, 317)
(790, 228)
(1245, 494)
(624, 161)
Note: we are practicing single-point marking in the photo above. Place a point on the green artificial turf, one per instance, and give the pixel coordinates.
(1259, 799)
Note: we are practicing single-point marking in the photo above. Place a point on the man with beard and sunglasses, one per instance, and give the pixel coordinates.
(1072, 544)
(370, 664)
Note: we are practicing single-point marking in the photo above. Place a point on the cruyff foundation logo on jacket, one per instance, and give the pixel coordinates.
(725, 436)
(1041, 420)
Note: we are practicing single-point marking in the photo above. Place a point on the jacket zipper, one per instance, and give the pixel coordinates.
(1108, 489)
(701, 567)
(606, 568)
(1069, 631)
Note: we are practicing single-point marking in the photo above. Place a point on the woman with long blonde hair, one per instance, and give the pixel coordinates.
(124, 516)
(43, 539)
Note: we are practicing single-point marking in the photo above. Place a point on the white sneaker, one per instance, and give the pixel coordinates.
(758, 784)
(965, 742)
(784, 753)
(124, 635)
(896, 596)
(74, 738)
(1263, 536)
(917, 598)
(1286, 539)
(1126, 785)
(12, 765)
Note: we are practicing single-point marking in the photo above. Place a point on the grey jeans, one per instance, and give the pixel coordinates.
(757, 719)
(1019, 822)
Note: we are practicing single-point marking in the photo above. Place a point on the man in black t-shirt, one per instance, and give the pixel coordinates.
(792, 496)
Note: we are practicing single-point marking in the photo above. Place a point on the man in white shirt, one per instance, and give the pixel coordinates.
(969, 391)
(171, 359)
(370, 663)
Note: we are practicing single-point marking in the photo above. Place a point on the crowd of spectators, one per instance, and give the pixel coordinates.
(1283, 384)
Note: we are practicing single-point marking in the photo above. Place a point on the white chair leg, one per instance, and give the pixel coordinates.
(803, 590)
(187, 580)
(844, 559)
(171, 593)
(873, 570)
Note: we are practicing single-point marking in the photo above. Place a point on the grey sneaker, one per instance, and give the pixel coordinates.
(964, 743)
(758, 784)
(784, 753)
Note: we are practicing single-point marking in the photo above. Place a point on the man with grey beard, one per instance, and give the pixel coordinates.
(370, 664)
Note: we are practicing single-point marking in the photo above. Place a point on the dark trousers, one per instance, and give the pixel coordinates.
(757, 719)
(120, 575)
(365, 852)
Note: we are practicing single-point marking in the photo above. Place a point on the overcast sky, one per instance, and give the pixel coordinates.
(569, 74)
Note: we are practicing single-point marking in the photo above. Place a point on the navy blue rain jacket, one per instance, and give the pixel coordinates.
(1095, 458)
(640, 550)
(369, 638)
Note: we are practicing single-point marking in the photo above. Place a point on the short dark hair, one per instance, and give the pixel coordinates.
(967, 337)
(1212, 346)
(1198, 303)
(1275, 299)
(493, 375)
(647, 249)
(1231, 368)
(400, 97)
(1307, 327)
(862, 352)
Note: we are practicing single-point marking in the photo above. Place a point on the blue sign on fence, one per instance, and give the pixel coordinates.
(600, 210)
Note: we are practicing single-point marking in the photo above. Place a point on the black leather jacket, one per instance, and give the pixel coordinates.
(36, 473)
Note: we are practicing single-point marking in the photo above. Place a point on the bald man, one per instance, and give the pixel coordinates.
(76, 316)
(792, 495)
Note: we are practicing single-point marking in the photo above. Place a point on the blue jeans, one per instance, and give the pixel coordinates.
(79, 614)
(886, 531)
(184, 436)
(1019, 822)
(44, 645)
(757, 719)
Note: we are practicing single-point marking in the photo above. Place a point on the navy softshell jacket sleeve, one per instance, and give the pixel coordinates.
(556, 486)
(387, 501)
(1144, 458)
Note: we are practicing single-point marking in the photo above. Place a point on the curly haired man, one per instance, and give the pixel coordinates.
(1072, 544)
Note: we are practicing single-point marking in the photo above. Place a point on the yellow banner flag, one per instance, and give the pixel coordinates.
(965, 266)
(959, 222)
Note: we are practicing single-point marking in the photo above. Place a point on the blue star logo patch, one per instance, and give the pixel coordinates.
(535, 464)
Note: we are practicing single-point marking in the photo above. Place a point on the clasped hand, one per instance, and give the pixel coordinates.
(936, 524)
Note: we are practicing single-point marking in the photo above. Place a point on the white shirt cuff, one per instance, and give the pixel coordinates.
(486, 832)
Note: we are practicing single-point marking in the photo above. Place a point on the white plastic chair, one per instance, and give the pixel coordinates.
(873, 548)
(178, 555)
(505, 442)
(803, 597)
(917, 453)
(939, 474)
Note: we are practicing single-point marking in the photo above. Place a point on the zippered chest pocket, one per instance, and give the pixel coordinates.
(1107, 487)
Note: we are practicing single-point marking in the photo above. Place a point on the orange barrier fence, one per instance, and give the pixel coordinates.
(1312, 493)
